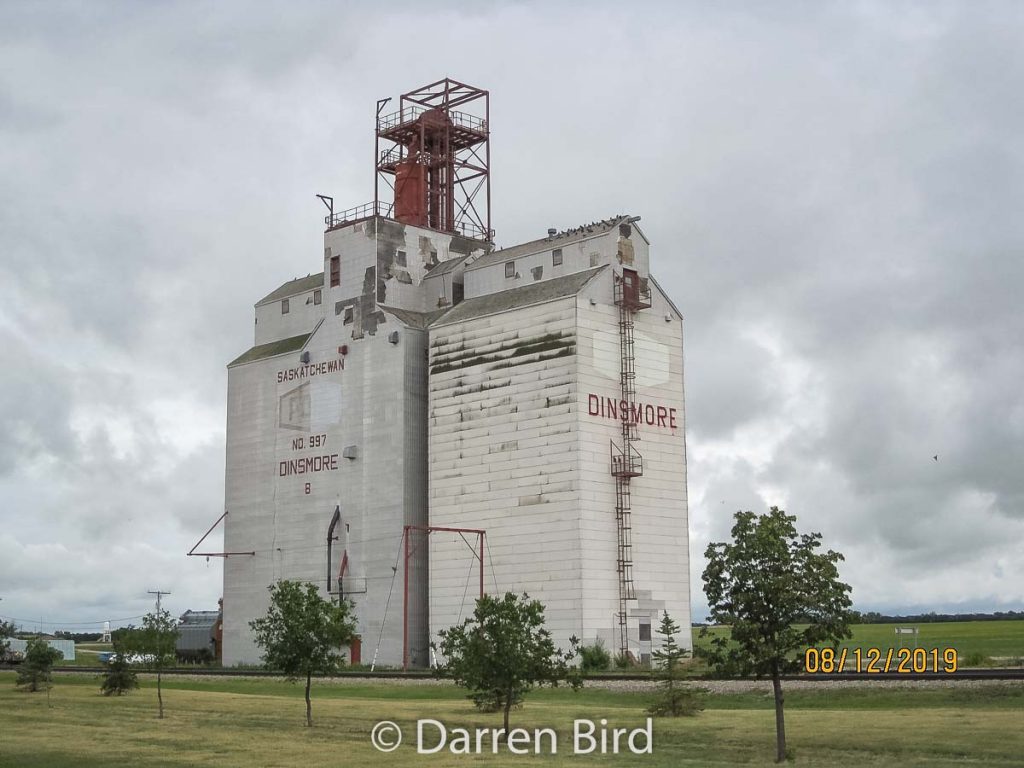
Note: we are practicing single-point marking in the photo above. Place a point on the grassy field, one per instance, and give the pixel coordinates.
(258, 722)
(87, 654)
(984, 638)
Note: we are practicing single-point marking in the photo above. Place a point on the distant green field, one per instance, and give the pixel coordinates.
(87, 654)
(985, 638)
(258, 722)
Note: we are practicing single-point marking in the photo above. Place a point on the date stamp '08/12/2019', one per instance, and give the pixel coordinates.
(876, 661)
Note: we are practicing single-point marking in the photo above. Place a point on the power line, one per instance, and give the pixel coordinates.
(68, 623)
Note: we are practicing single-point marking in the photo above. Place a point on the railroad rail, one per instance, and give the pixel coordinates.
(1015, 673)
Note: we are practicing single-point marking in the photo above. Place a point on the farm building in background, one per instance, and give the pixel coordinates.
(429, 417)
(16, 647)
(199, 636)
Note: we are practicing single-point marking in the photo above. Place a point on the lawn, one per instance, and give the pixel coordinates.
(258, 722)
(985, 638)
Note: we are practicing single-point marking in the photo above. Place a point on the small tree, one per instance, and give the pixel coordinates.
(302, 633)
(7, 630)
(769, 579)
(119, 678)
(503, 651)
(36, 672)
(673, 699)
(152, 647)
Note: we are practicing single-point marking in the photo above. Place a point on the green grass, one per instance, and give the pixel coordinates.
(258, 722)
(87, 654)
(986, 638)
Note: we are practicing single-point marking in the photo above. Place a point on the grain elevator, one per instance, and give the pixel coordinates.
(430, 416)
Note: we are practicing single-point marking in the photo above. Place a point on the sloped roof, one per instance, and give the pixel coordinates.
(413, 319)
(535, 293)
(560, 240)
(445, 266)
(292, 287)
(272, 349)
(199, 617)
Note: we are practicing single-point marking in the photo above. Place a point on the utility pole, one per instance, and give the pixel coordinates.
(158, 594)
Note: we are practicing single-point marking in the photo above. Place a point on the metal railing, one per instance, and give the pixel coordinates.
(410, 114)
(364, 211)
(468, 229)
(638, 297)
(626, 461)
(473, 231)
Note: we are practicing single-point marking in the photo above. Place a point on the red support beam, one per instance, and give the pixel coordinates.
(427, 530)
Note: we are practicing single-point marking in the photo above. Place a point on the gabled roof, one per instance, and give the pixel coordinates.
(272, 349)
(293, 287)
(535, 293)
(560, 240)
(445, 266)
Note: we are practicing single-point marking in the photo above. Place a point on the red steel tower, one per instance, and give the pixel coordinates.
(438, 161)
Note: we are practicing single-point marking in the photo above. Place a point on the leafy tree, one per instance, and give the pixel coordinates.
(503, 651)
(7, 630)
(152, 647)
(762, 584)
(36, 672)
(302, 633)
(673, 699)
(119, 678)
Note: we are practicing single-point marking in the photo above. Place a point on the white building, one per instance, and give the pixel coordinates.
(423, 379)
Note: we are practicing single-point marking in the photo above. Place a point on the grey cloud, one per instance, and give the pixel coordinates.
(830, 192)
(34, 407)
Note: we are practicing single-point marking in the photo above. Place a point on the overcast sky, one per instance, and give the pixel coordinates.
(832, 191)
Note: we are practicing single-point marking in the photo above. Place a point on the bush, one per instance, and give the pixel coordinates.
(119, 678)
(624, 661)
(595, 658)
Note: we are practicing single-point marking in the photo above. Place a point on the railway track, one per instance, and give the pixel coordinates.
(1016, 673)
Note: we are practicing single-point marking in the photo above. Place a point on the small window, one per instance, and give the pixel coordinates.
(284, 306)
(556, 257)
(645, 633)
(595, 259)
(317, 297)
(510, 269)
(347, 318)
(335, 271)
(400, 259)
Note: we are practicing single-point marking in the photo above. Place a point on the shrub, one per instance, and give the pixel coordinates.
(595, 658)
(624, 661)
(119, 678)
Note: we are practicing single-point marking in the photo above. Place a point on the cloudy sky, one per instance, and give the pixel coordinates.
(832, 193)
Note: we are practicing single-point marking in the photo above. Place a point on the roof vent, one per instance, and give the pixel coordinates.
(552, 232)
